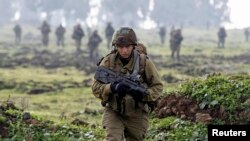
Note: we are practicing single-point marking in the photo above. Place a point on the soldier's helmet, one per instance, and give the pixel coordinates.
(124, 36)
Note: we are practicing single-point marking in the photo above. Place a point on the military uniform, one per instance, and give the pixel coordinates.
(93, 43)
(45, 30)
(131, 120)
(162, 34)
(222, 37)
(109, 33)
(60, 31)
(175, 43)
(18, 33)
(78, 34)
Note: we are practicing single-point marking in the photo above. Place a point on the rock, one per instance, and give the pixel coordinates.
(79, 122)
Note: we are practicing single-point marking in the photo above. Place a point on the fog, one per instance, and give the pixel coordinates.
(137, 13)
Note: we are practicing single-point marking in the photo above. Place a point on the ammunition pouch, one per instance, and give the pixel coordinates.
(126, 106)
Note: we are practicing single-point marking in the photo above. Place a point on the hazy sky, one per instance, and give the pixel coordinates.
(240, 13)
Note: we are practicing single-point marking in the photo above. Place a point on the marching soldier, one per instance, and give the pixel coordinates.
(18, 33)
(93, 43)
(175, 43)
(221, 37)
(78, 34)
(45, 30)
(60, 31)
(109, 33)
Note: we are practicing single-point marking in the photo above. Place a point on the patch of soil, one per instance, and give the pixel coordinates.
(186, 108)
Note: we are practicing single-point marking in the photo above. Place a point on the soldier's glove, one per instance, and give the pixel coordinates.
(120, 88)
(136, 94)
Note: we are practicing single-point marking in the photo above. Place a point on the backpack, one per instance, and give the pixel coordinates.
(141, 48)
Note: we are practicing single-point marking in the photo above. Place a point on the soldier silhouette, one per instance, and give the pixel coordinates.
(175, 43)
(78, 34)
(60, 31)
(45, 30)
(162, 33)
(109, 33)
(221, 37)
(18, 33)
(93, 43)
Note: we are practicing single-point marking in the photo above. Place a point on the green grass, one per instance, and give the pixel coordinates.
(20, 74)
(68, 104)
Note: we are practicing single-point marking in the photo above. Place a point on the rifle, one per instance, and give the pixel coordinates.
(106, 76)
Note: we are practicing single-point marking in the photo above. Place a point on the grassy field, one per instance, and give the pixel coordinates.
(199, 52)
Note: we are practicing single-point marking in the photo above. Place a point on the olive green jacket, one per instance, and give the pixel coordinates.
(151, 78)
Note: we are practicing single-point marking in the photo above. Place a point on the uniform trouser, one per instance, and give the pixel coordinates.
(78, 44)
(45, 40)
(221, 43)
(117, 127)
(60, 41)
(18, 39)
(175, 50)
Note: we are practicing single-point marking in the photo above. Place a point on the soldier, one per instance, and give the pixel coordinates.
(246, 32)
(126, 110)
(18, 33)
(221, 37)
(78, 34)
(109, 33)
(172, 31)
(45, 30)
(162, 34)
(60, 31)
(175, 43)
(93, 43)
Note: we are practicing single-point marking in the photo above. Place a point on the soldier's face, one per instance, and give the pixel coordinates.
(125, 50)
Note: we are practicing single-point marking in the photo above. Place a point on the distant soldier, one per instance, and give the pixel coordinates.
(93, 43)
(175, 43)
(162, 34)
(89, 31)
(172, 31)
(18, 33)
(221, 37)
(45, 30)
(246, 32)
(60, 31)
(78, 34)
(109, 33)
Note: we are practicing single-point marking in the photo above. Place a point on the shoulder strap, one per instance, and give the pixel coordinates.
(136, 63)
(112, 61)
(142, 63)
(139, 64)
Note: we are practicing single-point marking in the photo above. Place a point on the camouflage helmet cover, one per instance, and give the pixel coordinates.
(124, 36)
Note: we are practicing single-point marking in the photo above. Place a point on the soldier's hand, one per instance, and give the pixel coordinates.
(136, 94)
(120, 88)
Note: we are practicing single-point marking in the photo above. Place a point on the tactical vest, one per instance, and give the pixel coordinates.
(127, 105)
(138, 63)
